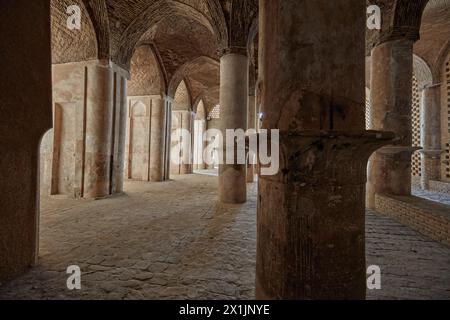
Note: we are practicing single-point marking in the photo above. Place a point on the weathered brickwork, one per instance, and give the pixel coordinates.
(427, 217)
(440, 187)
(416, 165)
(71, 45)
(446, 124)
(146, 76)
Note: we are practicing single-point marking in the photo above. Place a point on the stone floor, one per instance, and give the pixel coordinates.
(173, 241)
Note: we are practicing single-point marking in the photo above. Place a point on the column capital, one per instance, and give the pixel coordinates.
(327, 157)
(233, 50)
(399, 33)
(391, 150)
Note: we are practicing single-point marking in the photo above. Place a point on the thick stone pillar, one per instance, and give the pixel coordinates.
(98, 140)
(157, 140)
(26, 109)
(89, 129)
(310, 233)
(251, 124)
(233, 111)
(431, 135)
(391, 97)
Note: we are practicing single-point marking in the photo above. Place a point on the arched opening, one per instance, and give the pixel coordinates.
(182, 132)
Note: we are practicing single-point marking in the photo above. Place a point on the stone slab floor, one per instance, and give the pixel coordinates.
(173, 241)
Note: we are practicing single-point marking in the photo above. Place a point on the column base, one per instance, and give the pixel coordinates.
(390, 172)
(232, 184)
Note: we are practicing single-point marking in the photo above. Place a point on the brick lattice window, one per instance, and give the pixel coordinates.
(416, 164)
(215, 113)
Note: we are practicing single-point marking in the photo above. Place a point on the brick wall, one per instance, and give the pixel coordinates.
(427, 217)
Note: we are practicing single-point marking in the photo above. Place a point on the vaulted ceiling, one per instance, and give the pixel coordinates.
(434, 43)
(188, 36)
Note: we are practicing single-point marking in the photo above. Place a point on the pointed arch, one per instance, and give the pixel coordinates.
(182, 99)
(154, 14)
(183, 72)
(422, 72)
(98, 13)
(146, 73)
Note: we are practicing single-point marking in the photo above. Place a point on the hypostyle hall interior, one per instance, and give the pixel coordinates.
(116, 118)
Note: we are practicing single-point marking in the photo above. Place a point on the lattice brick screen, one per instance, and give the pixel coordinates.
(415, 112)
(367, 113)
(215, 113)
(446, 174)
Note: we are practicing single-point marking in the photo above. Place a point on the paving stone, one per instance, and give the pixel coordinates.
(152, 244)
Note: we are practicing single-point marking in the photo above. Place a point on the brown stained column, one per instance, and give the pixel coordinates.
(26, 108)
(391, 96)
(431, 135)
(310, 232)
(99, 112)
(157, 140)
(233, 111)
(251, 124)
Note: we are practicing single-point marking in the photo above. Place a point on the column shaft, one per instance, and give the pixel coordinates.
(157, 140)
(120, 135)
(233, 111)
(391, 97)
(26, 108)
(168, 139)
(431, 135)
(99, 114)
(186, 158)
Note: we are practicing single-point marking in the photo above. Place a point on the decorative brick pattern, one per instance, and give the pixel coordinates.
(446, 167)
(367, 113)
(215, 113)
(182, 100)
(71, 45)
(427, 217)
(146, 76)
(416, 165)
